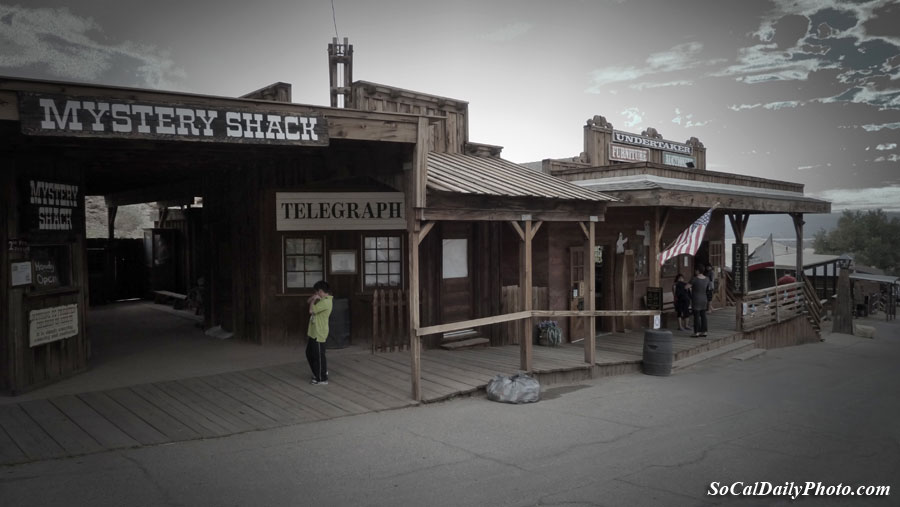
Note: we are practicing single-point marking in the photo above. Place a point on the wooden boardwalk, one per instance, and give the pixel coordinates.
(273, 396)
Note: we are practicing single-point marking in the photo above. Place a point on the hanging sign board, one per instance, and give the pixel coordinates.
(626, 154)
(310, 211)
(677, 160)
(741, 275)
(51, 324)
(61, 115)
(53, 205)
(650, 142)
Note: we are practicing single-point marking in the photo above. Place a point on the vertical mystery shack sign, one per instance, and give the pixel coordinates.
(58, 115)
(52, 205)
(298, 211)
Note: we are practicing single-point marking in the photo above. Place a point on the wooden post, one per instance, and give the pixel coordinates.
(738, 226)
(415, 200)
(525, 272)
(660, 217)
(798, 228)
(843, 306)
(111, 222)
(590, 350)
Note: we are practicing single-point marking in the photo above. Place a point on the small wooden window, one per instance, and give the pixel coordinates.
(382, 262)
(304, 261)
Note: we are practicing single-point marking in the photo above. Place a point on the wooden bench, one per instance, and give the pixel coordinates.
(169, 297)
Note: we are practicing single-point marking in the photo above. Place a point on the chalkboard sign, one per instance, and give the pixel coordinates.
(739, 257)
(654, 298)
(46, 273)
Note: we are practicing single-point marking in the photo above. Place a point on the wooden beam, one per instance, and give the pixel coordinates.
(590, 351)
(693, 199)
(111, 222)
(424, 232)
(420, 163)
(484, 321)
(654, 275)
(525, 273)
(519, 231)
(595, 313)
(537, 225)
(584, 228)
(498, 215)
(179, 192)
(415, 343)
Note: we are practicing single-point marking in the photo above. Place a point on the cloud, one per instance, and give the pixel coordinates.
(808, 167)
(509, 32)
(680, 57)
(872, 127)
(888, 146)
(649, 85)
(633, 116)
(886, 198)
(63, 45)
(687, 121)
(890, 158)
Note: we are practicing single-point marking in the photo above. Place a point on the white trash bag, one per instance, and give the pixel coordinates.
(520, 388)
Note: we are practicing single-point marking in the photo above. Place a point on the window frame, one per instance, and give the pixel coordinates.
(284, 264)
(363, 262)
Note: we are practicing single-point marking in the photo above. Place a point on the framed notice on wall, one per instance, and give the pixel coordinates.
(343, 262)
(20, 273)
(51, 324)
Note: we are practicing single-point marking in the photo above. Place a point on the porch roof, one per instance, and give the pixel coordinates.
(493, 176)
(646, 189)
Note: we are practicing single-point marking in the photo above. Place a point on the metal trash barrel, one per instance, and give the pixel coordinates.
(339, 324)
(657, 358)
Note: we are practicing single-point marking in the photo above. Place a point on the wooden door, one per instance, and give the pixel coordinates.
(456, 272)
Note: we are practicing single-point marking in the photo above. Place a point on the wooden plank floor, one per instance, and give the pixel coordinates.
(273, 396)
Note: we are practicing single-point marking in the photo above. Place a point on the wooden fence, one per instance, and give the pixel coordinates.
(390, 320)
(510, 302)
(776, 304)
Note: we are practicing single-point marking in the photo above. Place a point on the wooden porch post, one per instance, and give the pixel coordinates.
(590, 350)
(738, 226)
(525, 272)
(416, 180)
(111, 212)
(798, 229)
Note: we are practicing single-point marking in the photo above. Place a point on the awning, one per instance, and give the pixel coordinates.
(493, 176)
(874, 278)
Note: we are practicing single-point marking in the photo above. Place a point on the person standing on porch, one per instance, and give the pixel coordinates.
(320, 304)
(682, 298)
(699, 285)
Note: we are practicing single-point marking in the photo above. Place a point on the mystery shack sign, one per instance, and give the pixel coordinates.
(297, 211)
(57, 115)
(52, 205)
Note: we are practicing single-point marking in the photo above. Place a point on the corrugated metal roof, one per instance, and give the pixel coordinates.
(467, 174)
(875, 278)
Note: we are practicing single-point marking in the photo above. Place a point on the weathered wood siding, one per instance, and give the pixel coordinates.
(26, 367)
(795, 331)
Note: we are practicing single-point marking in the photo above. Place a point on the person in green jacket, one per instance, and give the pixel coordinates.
(319, 310)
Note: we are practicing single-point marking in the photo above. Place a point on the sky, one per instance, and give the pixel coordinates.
(806, 91)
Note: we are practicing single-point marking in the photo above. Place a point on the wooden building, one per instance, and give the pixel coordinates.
(384, 198)
(662, 186)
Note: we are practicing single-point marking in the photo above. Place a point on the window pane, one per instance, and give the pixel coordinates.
(394, 280)
(455, 258)
(394, 255)
(394, 267)
(371, 280)
(382, 242)
(313, 263)
(294, 280)
(382, 268)
(370, 268)
(293, 246)
(394, 242)
(370, 255)
(293, 264)
(381, 255)
(313, 246)
(313, 277)
(382, 279)
(370, 242)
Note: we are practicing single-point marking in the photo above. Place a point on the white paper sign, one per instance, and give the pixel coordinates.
(656, 322)
(51, 324)
(20, 273)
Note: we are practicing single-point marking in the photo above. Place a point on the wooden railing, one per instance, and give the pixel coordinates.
(390, 320)
(774, 304)
(815, 310)
(510, 303)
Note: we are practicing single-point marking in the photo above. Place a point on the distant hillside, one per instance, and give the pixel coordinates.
(782, 227)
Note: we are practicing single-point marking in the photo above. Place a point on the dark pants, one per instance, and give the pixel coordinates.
(700, 321)
(315, 354)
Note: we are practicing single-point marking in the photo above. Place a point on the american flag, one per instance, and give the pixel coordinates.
(688, 241)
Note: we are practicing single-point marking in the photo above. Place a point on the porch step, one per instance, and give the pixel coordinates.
(466, 344)
(750, 354)
(457, 336)
(732, 348)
